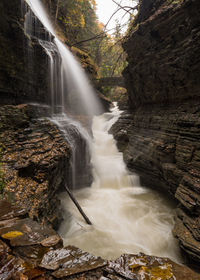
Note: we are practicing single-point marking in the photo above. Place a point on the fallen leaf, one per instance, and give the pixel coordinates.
(11, 234)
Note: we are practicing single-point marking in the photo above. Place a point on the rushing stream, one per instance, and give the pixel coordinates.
(126, 217)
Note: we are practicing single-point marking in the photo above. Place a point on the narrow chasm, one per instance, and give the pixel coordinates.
(99, 140)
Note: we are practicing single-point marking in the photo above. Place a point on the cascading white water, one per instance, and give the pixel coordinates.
(38, 9)
(82, 94)
(72, 77)
(126, 217)
(72, 131)
(69, 88)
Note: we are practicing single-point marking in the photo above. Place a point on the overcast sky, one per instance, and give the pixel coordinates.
(105, 8)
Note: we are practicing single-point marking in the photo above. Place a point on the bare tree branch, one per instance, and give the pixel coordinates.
(101, 35)
(122, 7)
(98, 36)
(127, 12)
(111, 17)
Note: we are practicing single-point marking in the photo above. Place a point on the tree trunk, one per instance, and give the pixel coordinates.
(78, 206)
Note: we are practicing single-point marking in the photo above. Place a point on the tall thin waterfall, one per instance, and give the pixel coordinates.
(70, 76)
(69, 88)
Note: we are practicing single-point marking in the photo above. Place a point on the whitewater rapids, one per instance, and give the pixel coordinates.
(126, 217)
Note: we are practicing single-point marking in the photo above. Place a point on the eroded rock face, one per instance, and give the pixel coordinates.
(160, 134)
(34, 162)
(23, 62)
(163, 50)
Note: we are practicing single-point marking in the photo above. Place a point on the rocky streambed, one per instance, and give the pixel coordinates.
(29, 250)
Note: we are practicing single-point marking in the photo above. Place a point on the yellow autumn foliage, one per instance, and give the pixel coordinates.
(153, 273)
(82, 21)
(23, 277)
(11, 234)
(161, 272)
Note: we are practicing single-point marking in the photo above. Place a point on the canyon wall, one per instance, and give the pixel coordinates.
(23, 62)
(160, 134)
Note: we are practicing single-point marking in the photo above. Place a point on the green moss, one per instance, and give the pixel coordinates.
(86, 62)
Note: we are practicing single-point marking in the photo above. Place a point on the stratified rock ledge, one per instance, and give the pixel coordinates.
(34, 161)
(160, 134)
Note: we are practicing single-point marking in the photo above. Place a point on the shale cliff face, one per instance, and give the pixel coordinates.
(160, 135)
(20, 80)
(34, 156)
(163, 54)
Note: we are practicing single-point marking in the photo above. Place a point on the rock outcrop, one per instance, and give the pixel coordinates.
(23, 61)
(34, 162)
(160, 134)
(31, 251)
(163, 54)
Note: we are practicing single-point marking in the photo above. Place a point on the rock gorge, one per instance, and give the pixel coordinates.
(159, 134)
(159, 137)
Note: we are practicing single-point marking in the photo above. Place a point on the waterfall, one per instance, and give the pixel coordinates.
(69, 88)
(70, 75)
(126, 217)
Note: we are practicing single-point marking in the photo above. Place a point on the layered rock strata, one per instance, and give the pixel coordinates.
(35, 159)
(163, 54)
(160, 134)
(23, 61)
(34, 162)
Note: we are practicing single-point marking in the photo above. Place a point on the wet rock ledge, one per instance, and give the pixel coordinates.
(29, 250)
(160, 134)
(34, 162)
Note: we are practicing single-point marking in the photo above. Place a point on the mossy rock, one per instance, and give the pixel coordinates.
(86, 62)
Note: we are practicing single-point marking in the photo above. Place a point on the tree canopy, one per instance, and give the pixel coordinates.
(83, 30)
